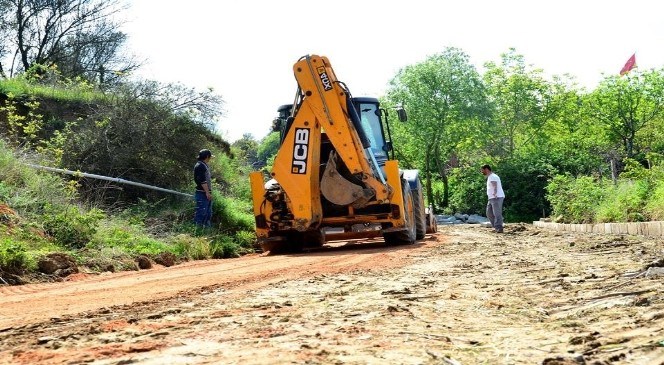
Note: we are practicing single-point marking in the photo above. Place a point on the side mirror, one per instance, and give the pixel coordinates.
(388, 146)
(401, 113)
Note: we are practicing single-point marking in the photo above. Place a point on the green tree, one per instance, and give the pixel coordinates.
(627, 104)
(568, 140)
(246, 149)
(446, 102)
(521, 99)
(267, 149)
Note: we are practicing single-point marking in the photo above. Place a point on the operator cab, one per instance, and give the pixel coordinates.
(371, 123)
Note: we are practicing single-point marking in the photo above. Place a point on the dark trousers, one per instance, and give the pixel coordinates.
(203, 212)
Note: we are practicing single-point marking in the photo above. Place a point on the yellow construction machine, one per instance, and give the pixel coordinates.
(333, 177)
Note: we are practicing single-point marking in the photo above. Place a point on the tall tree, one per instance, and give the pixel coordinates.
(267, 150)
(445, 99)
(80, 36)
(569, 140)
(521, 99)
(247, 149)
(4, 34)
(627, 104)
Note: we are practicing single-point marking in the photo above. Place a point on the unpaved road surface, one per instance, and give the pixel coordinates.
(462, 296)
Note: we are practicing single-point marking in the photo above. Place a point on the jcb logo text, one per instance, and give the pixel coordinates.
(300, 151)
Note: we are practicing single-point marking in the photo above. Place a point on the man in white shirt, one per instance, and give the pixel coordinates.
(494, 190)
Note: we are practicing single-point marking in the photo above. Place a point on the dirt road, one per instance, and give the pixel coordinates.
(463, 296)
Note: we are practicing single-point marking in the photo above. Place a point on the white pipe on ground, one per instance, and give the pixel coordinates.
(107, 178)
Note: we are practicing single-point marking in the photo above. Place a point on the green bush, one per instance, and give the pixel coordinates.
(574, 199)
(27, 190)
(225, 247)
(624, 202)
(127, 238)
(231, 214)
(655, 206)
(467, 191)
(192, 248)
(70, 227)
(245, 239)
(523, 181)
(13, 256)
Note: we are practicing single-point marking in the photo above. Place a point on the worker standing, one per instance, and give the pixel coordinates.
(496, 195)
(203, 195)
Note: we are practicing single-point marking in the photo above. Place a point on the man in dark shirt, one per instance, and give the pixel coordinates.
(203, 195)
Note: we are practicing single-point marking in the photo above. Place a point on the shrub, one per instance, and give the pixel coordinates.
(232, 214)
(13, 257)
(655, 206)
(575, 200)
(127, 238)
(624, 202)
(245, 239)
(467, 190)
(27, 190)
(225, 247)
(71, 227)
(192, 248)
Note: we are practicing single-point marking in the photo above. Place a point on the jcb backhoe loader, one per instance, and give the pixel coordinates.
(332, 177)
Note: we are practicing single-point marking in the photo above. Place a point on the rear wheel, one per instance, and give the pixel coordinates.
(420, 215)
(432, 224)
(407, 235)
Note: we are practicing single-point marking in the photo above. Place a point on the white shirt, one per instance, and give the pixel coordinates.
(489, 186)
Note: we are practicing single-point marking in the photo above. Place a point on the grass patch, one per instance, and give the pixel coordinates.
(131, 239)
(232, 214)
(655, 206)
(70, 91)
(624, 202)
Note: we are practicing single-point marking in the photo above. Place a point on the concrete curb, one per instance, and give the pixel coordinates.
(655, 229)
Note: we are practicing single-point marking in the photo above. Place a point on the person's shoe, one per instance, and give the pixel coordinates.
(499, 230)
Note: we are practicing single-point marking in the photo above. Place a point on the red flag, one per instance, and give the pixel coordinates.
(631, 63)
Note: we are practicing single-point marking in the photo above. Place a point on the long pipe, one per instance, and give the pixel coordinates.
(107, 178)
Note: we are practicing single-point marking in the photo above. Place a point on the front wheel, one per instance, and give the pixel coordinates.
(407, 235)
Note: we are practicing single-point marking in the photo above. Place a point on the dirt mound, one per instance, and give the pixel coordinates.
(167, 259)
(58, 264)
(7, 214)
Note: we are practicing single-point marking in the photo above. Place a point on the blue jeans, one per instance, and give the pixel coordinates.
(203, 212)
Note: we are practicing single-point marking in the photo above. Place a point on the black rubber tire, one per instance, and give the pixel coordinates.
(407, 236)
(420, 214)
(432, 224)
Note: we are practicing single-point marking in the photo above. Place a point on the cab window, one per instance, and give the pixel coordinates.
(372, 128)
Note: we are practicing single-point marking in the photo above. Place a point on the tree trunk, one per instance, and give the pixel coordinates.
(20, 33)
(427, 172)
(443, 175)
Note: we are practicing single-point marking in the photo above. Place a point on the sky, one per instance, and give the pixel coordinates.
(245, 49)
